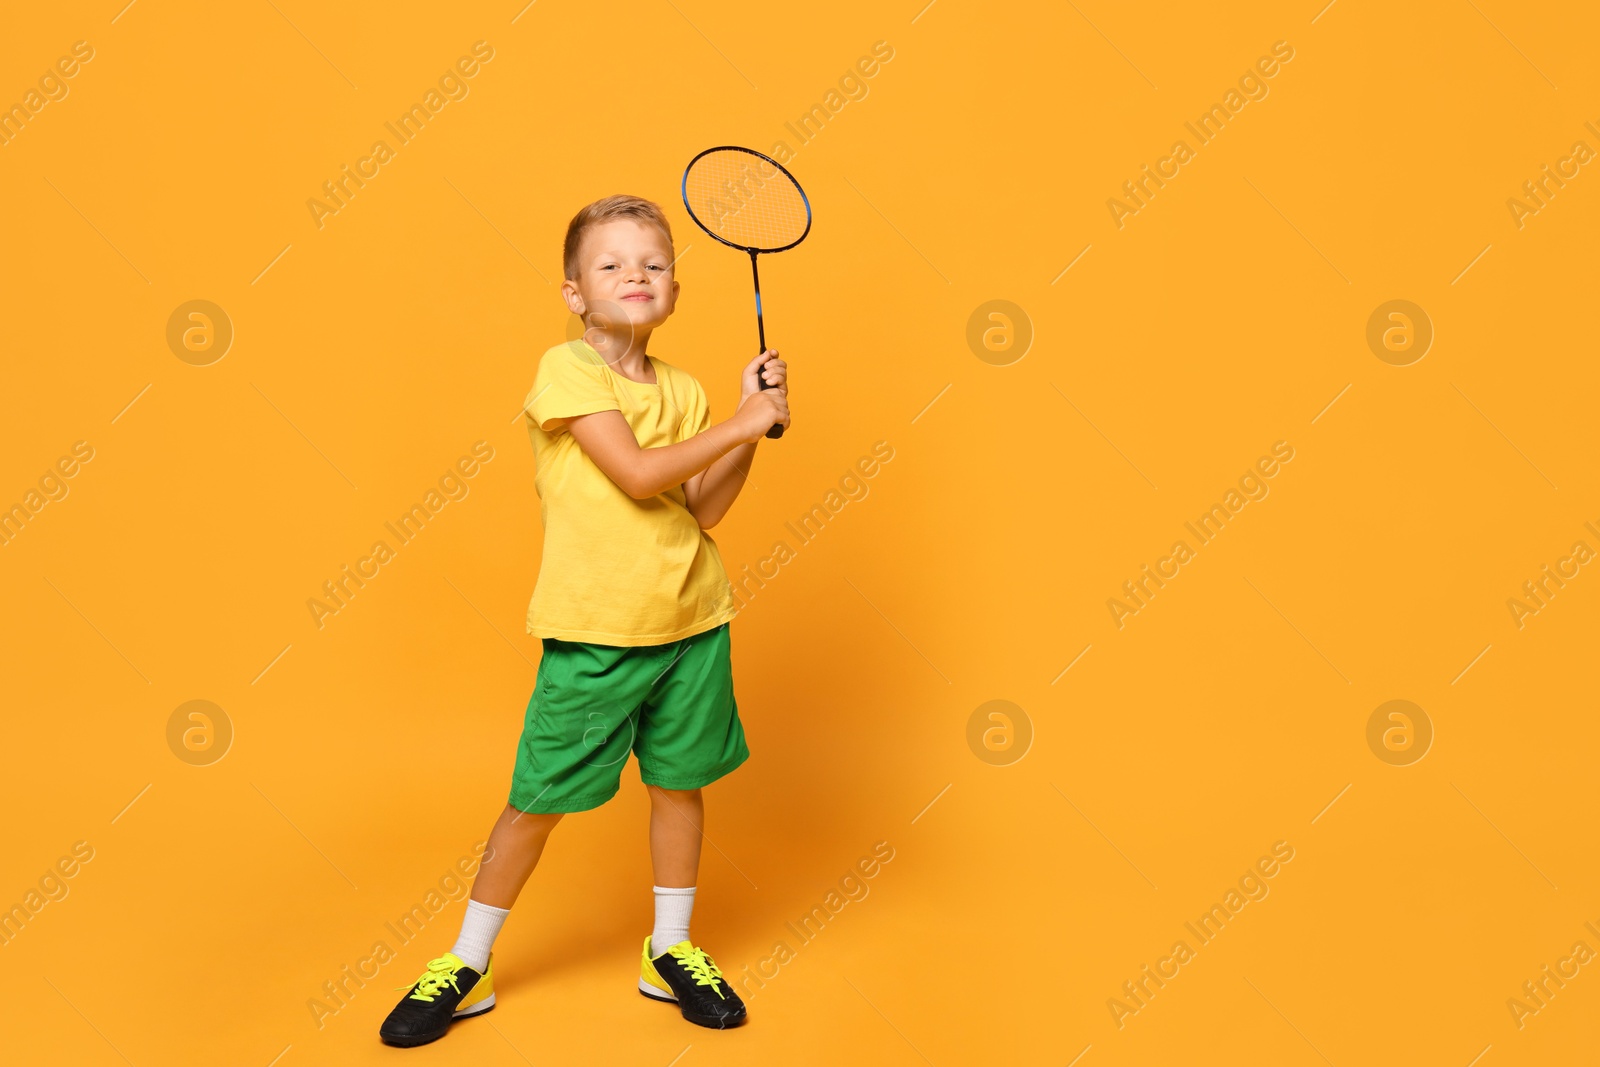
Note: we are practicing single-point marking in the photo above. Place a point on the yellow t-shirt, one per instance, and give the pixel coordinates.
(618, 571)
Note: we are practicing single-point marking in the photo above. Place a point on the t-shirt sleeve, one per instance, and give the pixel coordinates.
(566, 386)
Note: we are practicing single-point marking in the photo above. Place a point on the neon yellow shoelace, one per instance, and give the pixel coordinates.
(697, 963)
(438, 975)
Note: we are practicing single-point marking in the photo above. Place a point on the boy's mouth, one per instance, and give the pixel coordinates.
(640, 296)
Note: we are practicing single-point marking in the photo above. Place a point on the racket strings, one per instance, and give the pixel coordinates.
(746, 201)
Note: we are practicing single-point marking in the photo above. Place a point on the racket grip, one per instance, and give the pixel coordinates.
(777, 427)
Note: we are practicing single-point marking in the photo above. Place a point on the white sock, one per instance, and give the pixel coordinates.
(478, 930)
(673, 907)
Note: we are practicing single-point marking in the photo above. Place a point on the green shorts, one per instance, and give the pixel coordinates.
(672, 705)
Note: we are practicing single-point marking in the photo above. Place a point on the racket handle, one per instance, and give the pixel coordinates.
(761, 334)
(777, 427)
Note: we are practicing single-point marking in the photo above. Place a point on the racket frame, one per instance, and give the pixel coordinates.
(683, 191)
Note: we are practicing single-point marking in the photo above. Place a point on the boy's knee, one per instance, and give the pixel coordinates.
(528, 820)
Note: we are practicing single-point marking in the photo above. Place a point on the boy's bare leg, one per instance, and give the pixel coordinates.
(515, 845)
(677, 817)
(460, 983)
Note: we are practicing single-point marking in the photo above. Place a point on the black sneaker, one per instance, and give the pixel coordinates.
(448, 990)
(685, 976)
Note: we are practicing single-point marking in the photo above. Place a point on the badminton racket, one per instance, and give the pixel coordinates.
(750, 202)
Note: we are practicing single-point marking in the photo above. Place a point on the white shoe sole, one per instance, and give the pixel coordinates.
(477, 1009)
(655, 992)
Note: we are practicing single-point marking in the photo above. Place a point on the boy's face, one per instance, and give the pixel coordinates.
(624, 271)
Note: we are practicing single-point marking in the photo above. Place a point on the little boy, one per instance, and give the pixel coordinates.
(632, 605)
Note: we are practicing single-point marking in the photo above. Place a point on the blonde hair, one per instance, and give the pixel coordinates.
(608, 209)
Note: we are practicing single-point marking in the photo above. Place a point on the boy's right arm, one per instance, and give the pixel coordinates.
(643, 473)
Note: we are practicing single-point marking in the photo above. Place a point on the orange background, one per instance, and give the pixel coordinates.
(1228, 714)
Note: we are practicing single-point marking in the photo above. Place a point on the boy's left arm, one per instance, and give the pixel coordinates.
(712, 492)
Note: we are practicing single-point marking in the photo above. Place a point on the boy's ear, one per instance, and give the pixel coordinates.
(574, 299)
